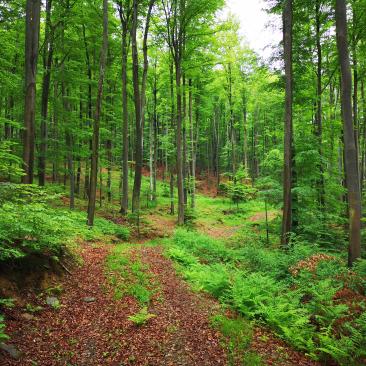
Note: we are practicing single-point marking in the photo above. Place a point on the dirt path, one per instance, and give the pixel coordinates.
(99, 333)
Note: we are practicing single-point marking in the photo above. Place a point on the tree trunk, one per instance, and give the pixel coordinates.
(180, 183)
(318, 115)
(95, 143)
(90, 114)
(125, 21)
(287, 179)
(33, 8)
(350, 149)
(193, 150)
(139, 97)
(47, 63)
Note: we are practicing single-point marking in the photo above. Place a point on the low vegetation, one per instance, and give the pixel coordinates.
(29, 224)
(306, 295)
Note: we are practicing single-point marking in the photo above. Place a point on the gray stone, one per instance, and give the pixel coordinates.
(52, 301)
(89, 299)
(27, 316)
(11, 350)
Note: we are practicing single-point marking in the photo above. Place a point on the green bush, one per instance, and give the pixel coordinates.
(202, 246)
(3, 336)
(213, 279)
(28, 224)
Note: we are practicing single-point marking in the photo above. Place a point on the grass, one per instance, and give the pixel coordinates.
(237, 335)
(129, 276)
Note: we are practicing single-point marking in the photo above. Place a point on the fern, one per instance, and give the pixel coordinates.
(142, 317)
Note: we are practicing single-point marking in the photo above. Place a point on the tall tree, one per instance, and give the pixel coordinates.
(32, 25)
(287, 178)
(125, 11)
(139, 96)
(46, 81)
(95, 141)
(350, 147)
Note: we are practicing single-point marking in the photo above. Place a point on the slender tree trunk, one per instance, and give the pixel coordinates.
(95, 143)
(70, 168)
(109, 168)
(172, 120)
(47, 63)
(33, 8)
(193, 150)
(125, 17)
(151, 158)
(124, 201)
(156, 141)
(350, 149)
(55, 165)
(180, 183)
(287, 180)
(363, 149)
(318, 115)
(245, 137)
(139, 96)
(90, 114)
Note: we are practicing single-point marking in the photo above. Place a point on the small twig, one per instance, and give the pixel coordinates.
(65, 268)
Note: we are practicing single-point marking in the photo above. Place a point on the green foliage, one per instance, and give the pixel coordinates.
(10, 163)
(237, 192)
(237, 334)
(4, 303)
(190, 216)
(261, 283)
(165, 190)
(213, 279)
(3, 336)
(252, 359)
(129, 276)
(28, 224)
(142, 317)
(359, 268)
(202, 246)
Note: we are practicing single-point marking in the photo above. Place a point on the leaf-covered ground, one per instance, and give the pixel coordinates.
(99, 332)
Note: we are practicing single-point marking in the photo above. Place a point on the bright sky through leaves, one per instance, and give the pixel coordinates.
(261, 30)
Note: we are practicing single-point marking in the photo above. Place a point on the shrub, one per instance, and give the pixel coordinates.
(3, 336)
(206, 248)
(212, 279)
(28, 224)
(141, 317)
(190, 217)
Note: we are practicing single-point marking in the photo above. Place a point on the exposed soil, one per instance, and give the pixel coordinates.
(99, 332)
(218, 231)
(261, 216)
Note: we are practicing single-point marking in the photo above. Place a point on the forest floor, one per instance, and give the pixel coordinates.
(88, 327)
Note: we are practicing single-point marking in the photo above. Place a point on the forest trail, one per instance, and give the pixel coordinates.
(91, 327)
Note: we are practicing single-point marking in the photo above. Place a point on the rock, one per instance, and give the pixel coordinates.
(27, 316)
(52, 301)
(11, 350)
(89, 299)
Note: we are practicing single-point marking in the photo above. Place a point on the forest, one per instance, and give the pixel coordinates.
(169, 196)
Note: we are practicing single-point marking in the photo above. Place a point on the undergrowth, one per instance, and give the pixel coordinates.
(237, 335)
(306, 296)
(129, 276)
(29, 224)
